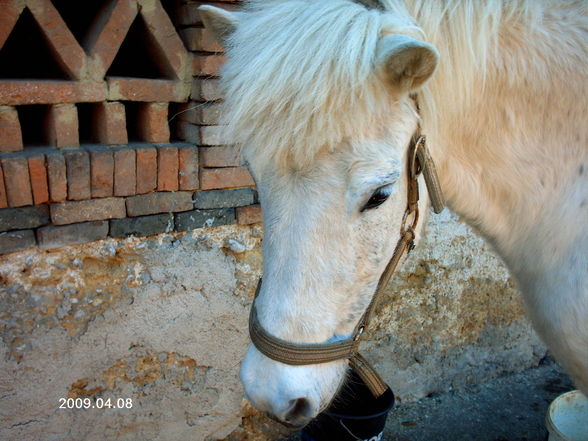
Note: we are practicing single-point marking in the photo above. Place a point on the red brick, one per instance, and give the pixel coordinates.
(167, 169)
(10, 133)
(142, 225)
(192, 220)
(249, 215)
(78, 175)
(154, 203)
(213, 135)
(208, 65)
(17, 181)
(206, 89)
(188, 112)
(16, 93)
(206, 114)
(188, 168)
(62, 126)
(210, 114)
(9, 14)
(24, 218)
(153, 124)
(101, 173)
(54, 237)
(220, 157)
(146, 170)
(165, 39)
(84, 211)
(38, 175)
(13, 241)
(57, 174)
(106, 40)
(200, 39)
(229, 177)
(110, 124)
(125, 172)
(188, 132)
(188, 15)
(3, 199)
(65, 48)
(235, 197)
(146, 90)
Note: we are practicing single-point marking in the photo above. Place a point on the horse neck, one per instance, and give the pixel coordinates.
(498, 145)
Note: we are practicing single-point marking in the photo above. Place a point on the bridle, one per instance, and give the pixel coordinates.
(419, 162)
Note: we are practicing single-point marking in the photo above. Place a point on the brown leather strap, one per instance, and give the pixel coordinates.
(298, 354)
(431, 178)
(402, 247)
(368, 375)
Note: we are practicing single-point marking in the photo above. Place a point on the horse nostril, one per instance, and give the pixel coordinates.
(300, 409)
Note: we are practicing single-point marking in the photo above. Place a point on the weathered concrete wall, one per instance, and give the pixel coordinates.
(163, 321)
(453, 316)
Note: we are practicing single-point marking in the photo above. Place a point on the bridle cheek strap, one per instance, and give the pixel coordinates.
(300, 354)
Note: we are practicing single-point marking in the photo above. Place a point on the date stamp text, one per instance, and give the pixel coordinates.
(97, 403)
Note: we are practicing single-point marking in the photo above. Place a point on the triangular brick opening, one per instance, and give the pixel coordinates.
(27, 55)
(81, 16)
(139, 56)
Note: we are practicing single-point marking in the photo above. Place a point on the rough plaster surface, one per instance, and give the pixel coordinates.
(163, 321)
(452, 316)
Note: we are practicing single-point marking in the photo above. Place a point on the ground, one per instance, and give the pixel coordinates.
(507, 408)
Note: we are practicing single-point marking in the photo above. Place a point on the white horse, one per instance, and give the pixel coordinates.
(319, 95)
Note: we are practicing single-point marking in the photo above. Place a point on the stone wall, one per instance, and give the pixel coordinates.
(130, 243)
(453, 316)
(163, 321)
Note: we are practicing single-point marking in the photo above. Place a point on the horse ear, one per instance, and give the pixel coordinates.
(407, 62)
(218, 21)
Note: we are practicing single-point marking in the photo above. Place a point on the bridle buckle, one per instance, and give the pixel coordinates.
(359, 333)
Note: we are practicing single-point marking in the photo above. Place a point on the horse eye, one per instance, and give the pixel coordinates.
(378, 198)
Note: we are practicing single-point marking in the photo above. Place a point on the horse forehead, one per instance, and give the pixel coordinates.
(348, 166)
(324, 165)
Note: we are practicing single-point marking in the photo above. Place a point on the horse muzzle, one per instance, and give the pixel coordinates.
(291, 395)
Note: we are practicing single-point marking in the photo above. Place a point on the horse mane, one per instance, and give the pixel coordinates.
(314, 84)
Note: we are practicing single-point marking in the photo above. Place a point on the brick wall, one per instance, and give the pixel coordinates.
(115, 131)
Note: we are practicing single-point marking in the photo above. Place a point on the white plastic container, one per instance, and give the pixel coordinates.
(567, 417)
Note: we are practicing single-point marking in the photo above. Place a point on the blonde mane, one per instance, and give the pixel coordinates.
(313, 83)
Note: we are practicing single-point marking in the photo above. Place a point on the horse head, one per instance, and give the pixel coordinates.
(320, 97)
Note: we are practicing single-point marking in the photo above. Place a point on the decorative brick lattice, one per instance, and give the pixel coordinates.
(90, 71)
(112, 129)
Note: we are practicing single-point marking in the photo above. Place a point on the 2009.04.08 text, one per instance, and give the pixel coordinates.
(98, 403)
